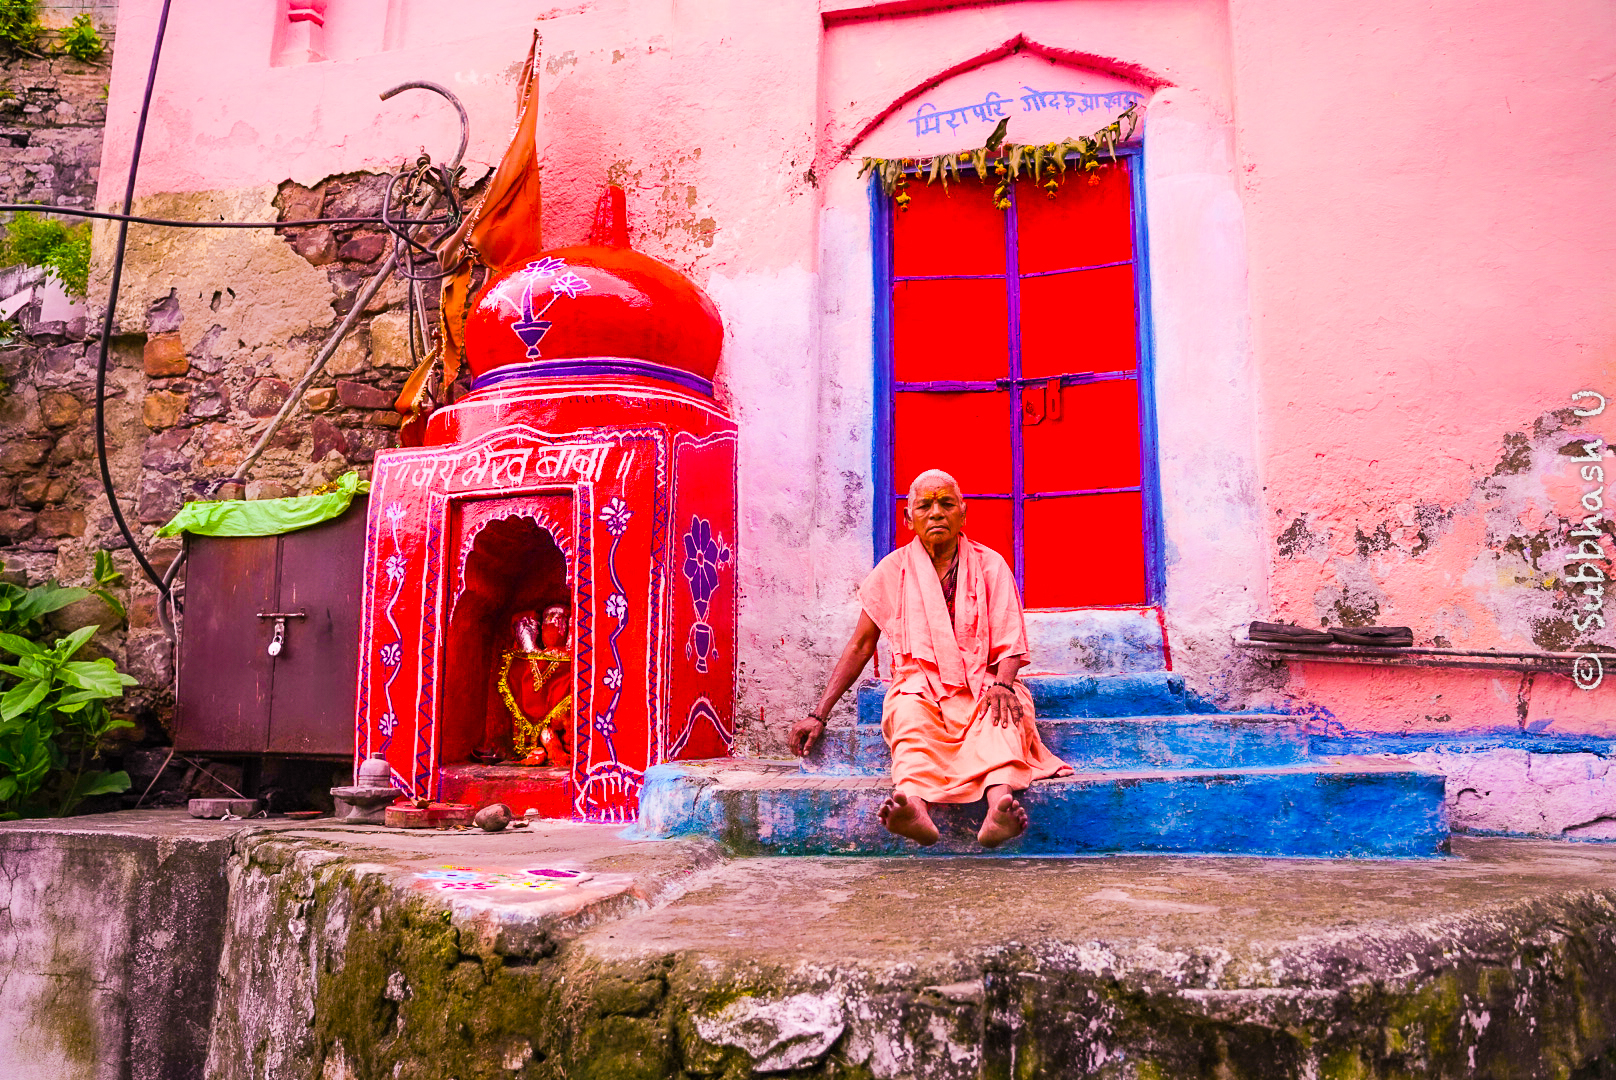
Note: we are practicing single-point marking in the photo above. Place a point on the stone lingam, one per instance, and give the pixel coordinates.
(366, 801)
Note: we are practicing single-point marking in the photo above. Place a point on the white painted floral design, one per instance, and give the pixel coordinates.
(615, 514)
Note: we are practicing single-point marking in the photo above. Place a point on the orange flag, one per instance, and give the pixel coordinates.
(505, 227)
(502, 232)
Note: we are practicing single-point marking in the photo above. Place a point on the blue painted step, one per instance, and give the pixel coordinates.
(1346, 807)
(1104, 744)
(1147, 693)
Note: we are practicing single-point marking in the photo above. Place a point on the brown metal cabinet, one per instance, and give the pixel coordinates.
(234, 695)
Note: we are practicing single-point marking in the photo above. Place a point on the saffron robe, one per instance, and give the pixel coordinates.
(945, 747)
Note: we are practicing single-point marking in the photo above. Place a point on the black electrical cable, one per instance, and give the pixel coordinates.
(112, 308)
(398, 227)
(69, 211)
(124, 220)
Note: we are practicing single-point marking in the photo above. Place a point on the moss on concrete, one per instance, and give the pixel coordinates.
(337, 965)
(419, 996)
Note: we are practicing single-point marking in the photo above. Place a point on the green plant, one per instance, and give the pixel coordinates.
(107, 576)
(81, 42)
(20, 27)
(22, 611)
(63, 250)
(54, 718)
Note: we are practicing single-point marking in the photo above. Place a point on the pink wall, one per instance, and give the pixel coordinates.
(1433, 264)
(1383, 256)
(223, 118)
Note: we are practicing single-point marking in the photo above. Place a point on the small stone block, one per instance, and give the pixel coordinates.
(60, 409)
(407, 817)
(364, 248)
(164, 356)
(163, 409)
(218, 808)
(448, 815)
(358, 395)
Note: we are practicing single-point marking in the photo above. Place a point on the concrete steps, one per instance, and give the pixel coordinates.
(1149, 693)
(1105, 744)
(1344, 807)
(1158, 771)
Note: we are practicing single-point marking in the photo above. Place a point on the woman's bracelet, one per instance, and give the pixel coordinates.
(1006, 685)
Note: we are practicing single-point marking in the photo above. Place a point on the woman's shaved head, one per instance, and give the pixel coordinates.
(931, 480)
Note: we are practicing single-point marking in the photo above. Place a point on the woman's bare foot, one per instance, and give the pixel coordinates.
(1006, 818)
(909, 818)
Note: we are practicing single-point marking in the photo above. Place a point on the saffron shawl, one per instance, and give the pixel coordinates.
(904, 597)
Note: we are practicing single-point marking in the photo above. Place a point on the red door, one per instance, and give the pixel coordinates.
(1015, 367)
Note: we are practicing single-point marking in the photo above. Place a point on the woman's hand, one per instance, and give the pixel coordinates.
(1003, 705)
(805, 735)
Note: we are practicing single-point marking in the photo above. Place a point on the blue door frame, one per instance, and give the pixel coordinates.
(881, 449)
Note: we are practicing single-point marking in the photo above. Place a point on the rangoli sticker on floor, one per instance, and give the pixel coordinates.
(471, 879)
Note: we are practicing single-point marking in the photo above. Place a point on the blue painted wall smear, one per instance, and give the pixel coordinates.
(1464, 742)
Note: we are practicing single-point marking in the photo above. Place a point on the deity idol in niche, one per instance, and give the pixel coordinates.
(535, 685)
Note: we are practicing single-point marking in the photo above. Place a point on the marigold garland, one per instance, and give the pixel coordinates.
(1006, 161)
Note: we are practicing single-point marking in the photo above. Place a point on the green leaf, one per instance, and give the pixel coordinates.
(22, 698)
(19, 646)
(105, 573)
(103, 783)
(112, 602)
(75, 641)
(101, 676)
(44, 599)
(8, 788)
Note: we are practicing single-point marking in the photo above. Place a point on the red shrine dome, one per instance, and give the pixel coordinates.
(594, 309)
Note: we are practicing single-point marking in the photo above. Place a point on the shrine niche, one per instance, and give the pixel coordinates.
(550, 584)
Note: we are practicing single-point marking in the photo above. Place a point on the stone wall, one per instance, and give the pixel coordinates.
(214, 328)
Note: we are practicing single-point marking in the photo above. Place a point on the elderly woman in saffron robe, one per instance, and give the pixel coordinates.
(959, 722)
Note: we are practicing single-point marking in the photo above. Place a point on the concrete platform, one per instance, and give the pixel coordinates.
(1343, 807)
(152, 945)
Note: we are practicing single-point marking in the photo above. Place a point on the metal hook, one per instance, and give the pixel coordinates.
(465, 121)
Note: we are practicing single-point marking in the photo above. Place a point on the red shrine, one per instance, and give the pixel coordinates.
(590, 470)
